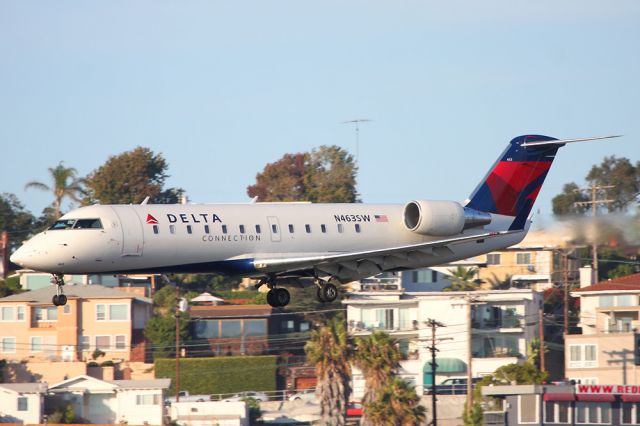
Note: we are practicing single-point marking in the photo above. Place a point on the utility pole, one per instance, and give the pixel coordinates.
(357, 123)
(470, 300)
(4, 253)
(434, 366)
(541, 332)
(594, 212)
(177, 343)
(565, 281)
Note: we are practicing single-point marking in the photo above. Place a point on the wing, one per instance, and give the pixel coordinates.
(353, 265)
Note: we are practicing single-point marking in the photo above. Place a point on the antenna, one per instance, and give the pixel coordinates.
(357, 122)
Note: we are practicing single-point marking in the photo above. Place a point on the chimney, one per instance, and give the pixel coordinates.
(586, 276)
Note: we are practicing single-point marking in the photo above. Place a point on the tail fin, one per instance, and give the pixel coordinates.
(512, 185)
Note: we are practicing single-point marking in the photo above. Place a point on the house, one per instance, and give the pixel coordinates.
(609, 318)
(135, 402)
(22, 402)
(95, 317)
(241, 329)
(501, 323)
(563, 404)
(220, 413)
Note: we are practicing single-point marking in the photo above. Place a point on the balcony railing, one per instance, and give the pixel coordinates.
(493, 324)
(355, 326)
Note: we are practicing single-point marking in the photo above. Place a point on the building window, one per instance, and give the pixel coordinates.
(424, 276)
(258, 230)
(49, 313)
(155, 229)
(231, 328)
(528, 408)
(493, 259)
(556, 411)
(242, 229)
(67, 309)
(323, 228)
(6, 313)
(357, 227)
(307, 228)
(23, 403)
(36, 344)
(121, 342)
(255, 327)
(290, 228)
(8, 345)
(116, 312)
(189, 230)
(593, 413)
(523, 258)
(206, 229)
(100, 313)
(384, 319)
(630, 413)
(103, 343)
(304, 326)
(207, 329)
(148, 399)
(340, 228)
(85, 343)
(583, 356)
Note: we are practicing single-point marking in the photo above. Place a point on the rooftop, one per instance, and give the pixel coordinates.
(626, 283)
(93, 291)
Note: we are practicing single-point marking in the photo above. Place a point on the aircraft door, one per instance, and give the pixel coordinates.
(274, 229)
(132, 236)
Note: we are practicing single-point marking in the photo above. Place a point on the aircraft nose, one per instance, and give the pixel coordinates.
(19, 256)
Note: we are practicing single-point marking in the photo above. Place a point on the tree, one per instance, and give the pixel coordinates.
(378, 357)
(623, 176)
(324, 175)
(565, 203)
(65, 185)
(397, 404)
(463, 279)
(129, 178)
(329, 351)
(14, 219)
(161, 332)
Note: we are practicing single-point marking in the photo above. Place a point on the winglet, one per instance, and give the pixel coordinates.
(565, 141)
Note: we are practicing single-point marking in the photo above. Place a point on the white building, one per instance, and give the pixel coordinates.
(22, 402)
(138, 402)
(502, 323)
(220, 413)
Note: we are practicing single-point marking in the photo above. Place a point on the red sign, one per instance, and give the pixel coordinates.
(608, 389)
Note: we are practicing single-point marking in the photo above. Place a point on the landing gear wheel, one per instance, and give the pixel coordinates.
(282, 296)
(319, 295)
(55, 299)
(59, 299)
(328, 293)
(62, 300)
(271, 299)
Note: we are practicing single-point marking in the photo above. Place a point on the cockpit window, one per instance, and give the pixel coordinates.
(63, 224)
(88, 224)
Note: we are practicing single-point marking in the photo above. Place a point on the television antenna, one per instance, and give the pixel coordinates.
(357, 123)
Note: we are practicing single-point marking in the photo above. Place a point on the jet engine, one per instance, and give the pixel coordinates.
(442, 218)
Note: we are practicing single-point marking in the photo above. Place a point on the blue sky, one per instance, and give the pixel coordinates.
(222, 88)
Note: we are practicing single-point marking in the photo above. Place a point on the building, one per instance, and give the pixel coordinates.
(609, 318)
(22, 402)
(566, 404)
(143, 285)
(501, 322)
(134, 402)
(220, 413)
(95, 317)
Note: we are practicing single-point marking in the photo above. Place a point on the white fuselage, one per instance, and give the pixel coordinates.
(229, 237)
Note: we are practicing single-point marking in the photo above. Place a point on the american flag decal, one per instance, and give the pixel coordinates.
(381, 218)
(151, 220)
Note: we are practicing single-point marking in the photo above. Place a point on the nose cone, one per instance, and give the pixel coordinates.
(19, 257)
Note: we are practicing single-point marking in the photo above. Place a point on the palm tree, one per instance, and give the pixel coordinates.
(463, 279)
(398, 404)
(65, 184)
(378, 357)
(328, 349)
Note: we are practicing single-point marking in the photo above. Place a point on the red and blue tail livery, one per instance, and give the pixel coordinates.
(512, 185)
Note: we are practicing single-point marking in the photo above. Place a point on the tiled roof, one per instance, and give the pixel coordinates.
(92, 291)
(25, 387)
(628, 283)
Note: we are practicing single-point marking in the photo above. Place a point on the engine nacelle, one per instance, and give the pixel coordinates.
(442, 218)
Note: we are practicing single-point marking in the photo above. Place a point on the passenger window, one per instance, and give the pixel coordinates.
(307, 228)
(340, 228)
(358, 227)
(242, 229)
(290, 229)
(224, 229)
(88, 224)
(258, 229)
(172, 229)
(323, 228)
(274, 228)
(188, 229)
(155, 229)
(206, 229)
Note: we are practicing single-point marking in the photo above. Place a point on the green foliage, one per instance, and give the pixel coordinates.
(63, 415)
(474, 417)
(14, 219)
(230, 374)
(65, 185)
(10, 286)
(206, 282)
(623, 176)
(254, 409)
(463, 279)
(325, 175)
(164, 300)
(397, 404)
(161, 332)
(564, 203)
(129, 178)
(3, 364)
(97, 354)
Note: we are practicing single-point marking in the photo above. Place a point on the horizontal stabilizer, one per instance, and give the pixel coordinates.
(562, 142)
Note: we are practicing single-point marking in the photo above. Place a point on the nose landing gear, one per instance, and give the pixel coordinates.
(59, 299)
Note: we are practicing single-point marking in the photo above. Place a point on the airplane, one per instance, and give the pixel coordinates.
(282, 242)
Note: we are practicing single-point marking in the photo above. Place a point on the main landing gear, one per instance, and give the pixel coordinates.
(327, 292)
(279, 297)
(59, 299)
